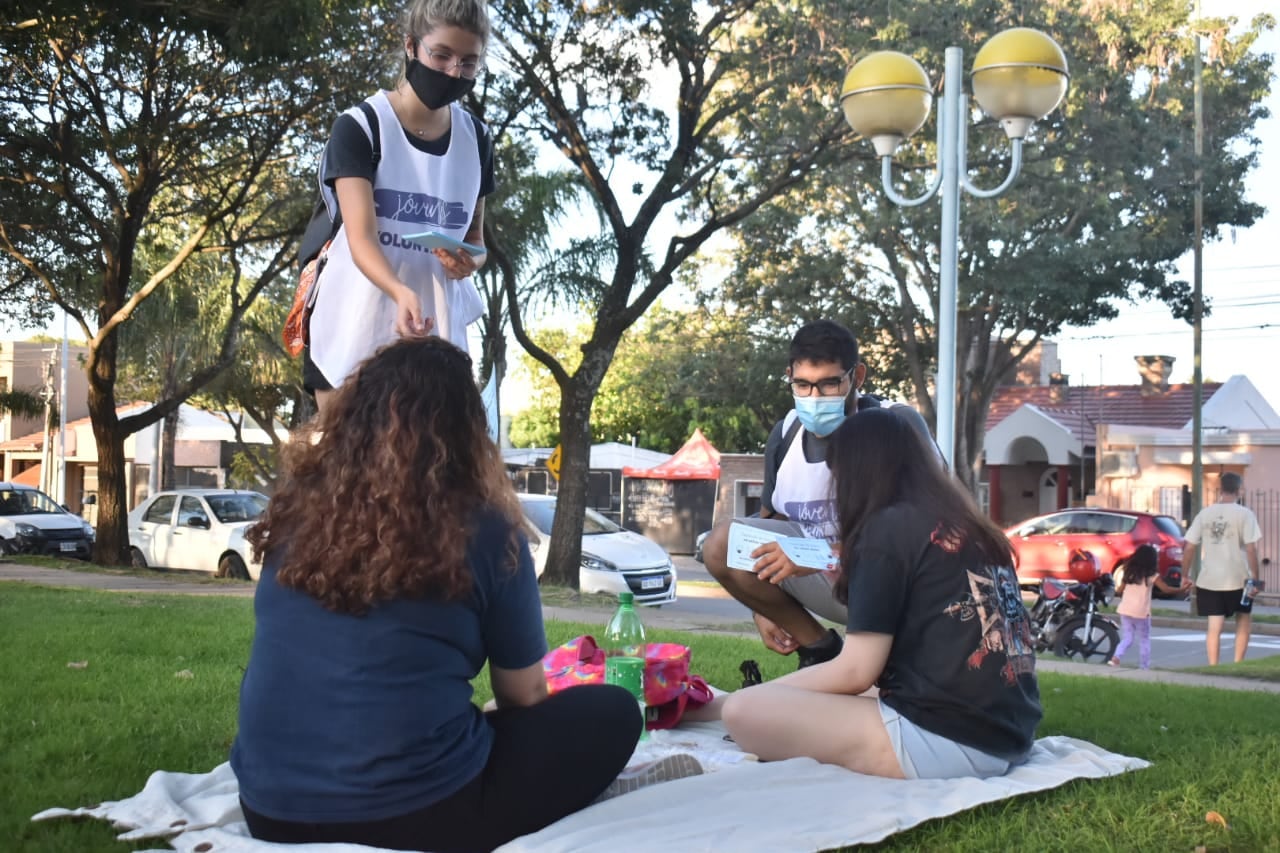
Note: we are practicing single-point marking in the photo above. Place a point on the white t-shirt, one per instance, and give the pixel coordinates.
(413, 191)
(1222, 530)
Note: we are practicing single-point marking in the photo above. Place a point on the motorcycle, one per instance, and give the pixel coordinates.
(1065, 619)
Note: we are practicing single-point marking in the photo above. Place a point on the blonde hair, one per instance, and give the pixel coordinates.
(423, 16)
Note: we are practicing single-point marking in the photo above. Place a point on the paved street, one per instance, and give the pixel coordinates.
(1176, 643)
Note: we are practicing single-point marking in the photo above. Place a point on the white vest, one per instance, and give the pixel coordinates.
(802, 490)
(412, 192)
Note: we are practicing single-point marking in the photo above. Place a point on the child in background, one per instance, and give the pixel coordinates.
(1141, 575)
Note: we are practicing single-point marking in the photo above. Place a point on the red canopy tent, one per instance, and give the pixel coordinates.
(697, 460)
(673, 502)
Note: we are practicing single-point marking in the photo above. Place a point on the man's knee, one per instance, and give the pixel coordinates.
(715, 551)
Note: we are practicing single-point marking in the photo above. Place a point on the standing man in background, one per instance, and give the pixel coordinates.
(1227, 533)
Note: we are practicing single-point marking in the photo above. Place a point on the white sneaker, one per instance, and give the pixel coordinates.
(665, 769)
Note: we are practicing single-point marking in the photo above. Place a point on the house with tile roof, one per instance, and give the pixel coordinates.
(1050, 445)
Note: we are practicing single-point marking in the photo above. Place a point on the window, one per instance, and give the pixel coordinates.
(161, 511)
(192, 510)
(239, 507)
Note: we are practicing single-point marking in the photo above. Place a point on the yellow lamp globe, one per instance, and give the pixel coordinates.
(1019, 77)
(886, 97)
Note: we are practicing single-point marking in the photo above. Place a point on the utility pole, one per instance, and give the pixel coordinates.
(1197, 311)
(61, 495)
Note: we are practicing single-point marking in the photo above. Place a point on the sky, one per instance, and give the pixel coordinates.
(1241, 284)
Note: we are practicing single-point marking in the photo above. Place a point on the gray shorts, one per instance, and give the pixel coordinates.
(924, 755)
(812, 591)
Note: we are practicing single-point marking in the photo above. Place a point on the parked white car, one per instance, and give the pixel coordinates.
(614, 559)
(31, 522)
(197, 529)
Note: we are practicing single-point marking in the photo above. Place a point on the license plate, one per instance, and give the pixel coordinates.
(651, 583)
(67, 546)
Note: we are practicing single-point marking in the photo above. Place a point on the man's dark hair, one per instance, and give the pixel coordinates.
(824, 340)
(1231, 483)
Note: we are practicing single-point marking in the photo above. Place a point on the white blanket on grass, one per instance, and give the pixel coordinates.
(808, 806)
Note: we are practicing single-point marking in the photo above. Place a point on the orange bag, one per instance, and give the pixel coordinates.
(297, 326)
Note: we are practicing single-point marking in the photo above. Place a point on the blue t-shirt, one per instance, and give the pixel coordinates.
(360, 718)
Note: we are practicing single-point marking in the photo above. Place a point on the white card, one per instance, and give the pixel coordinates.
(806, 553)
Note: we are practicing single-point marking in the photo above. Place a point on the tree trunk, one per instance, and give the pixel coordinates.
(576, 396)
(112, 545)
(168, 442)
(565, 555)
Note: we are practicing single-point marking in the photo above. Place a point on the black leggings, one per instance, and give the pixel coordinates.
(548, 760)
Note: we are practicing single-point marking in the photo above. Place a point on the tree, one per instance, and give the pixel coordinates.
(173, 131)
(674, 371)
(679, 116)
(1098, 217)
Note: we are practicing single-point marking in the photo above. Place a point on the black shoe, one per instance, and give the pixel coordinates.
(820, 652)
(750, 673)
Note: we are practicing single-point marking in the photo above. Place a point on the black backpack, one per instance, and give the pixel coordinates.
(321, 229)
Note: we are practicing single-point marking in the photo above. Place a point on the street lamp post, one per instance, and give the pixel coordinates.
(1019, 77)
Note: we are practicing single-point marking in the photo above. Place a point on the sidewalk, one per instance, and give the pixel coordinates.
(194, 584)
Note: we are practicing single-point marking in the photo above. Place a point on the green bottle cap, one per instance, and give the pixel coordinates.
(626, 598)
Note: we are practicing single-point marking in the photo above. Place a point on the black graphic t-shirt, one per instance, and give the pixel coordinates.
(961, 665)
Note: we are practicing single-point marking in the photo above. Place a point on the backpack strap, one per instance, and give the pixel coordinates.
(790, 429)
(375, 157)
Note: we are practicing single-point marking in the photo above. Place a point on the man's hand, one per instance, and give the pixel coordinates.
(775, 639)
(773, 565)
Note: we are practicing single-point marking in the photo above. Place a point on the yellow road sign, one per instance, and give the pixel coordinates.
(553, 462)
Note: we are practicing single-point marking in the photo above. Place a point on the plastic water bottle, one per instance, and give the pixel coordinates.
(1250, 590)
(624, 650)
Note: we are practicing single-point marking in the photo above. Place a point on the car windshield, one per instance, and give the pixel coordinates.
(595, 524)
(27, 502)
(1169, 526)
(542, 514)
(240, 507)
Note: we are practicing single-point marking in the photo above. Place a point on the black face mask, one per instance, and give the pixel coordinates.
(435, 88)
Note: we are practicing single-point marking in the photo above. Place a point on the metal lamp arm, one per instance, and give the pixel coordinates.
(886, 178)
(1015, 165)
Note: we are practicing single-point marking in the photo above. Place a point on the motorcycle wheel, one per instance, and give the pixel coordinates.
(1097, 647)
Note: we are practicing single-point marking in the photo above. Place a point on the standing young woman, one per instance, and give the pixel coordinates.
(435, 171)
(395, 568)
(936, 622)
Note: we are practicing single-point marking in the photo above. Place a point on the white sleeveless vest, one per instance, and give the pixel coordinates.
(802, 490)
(412, 192)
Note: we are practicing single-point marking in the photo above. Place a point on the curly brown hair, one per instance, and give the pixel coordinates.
(381, 492)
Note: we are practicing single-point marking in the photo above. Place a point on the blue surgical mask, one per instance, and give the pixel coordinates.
(820, 415)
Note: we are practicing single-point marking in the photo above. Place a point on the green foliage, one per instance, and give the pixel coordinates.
(167, 149)
(671, 111)
(1098, 217)
(674, 371)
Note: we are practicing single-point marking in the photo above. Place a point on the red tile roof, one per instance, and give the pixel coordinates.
(1108, 404)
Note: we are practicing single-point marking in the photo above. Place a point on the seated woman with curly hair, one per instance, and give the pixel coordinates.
(395, 567)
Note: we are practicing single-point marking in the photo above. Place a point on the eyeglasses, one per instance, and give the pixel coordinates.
(444, 61)
(828, 387)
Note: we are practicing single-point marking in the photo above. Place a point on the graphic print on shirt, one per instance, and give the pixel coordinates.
(419, 208)
(817, 518)
(996, 602)
(1217, 530)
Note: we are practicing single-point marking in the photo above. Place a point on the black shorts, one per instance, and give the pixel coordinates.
(1221, 602)
(312, 379)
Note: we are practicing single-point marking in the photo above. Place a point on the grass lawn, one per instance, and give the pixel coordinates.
(1262, 669)
(160, 677)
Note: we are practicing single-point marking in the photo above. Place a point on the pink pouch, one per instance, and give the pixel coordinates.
(668, 686)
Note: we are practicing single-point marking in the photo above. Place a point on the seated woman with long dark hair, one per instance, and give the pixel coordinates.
(936, 622)
(395, 567)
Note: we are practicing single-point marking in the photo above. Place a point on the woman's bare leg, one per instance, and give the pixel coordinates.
(776, 722)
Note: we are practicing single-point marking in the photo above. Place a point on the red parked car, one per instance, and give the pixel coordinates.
(1044, 544)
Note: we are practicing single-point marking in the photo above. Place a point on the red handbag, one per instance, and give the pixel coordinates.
(669, 687)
